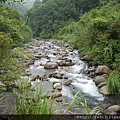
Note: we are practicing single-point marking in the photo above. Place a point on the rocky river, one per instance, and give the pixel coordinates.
(64, 72)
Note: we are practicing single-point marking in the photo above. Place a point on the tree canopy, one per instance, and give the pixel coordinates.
(47, 17)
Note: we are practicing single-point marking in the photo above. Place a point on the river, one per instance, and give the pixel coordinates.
(64, 66)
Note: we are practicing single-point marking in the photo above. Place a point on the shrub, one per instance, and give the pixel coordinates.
(113, 81)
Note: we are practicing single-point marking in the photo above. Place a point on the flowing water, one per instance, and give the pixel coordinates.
(80, 81)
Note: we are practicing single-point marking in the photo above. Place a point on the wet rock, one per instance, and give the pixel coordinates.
(61, 62)
(86, 58)
(66, 45)
(100, 78)
(55, 52)
(71, 49)
(112, 110)
(69, 64)
(46, 47)
(56, 85)
(102, 70)
(67, 83)
(101, 84)
(104, 90)
(55, 95)
(57, 74)
(59, 88)
(64, 55)
(50, 65)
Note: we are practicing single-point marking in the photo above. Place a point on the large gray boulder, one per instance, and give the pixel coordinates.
(114, 109)
(50, 65)
(100, 78)
(102, 70)
(103, 90)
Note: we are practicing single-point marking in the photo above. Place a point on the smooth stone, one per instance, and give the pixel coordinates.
(102, 70)
(50, 65)
(104, 90)
(69, 64)
(101, 84)
(100, 78)
(56, 85)
(68, 82)
(61, 62)
(55, 95)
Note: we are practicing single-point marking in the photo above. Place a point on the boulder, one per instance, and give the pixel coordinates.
(100, 78)
(55, 52)
(101, 84)
(55, 95)
(114, 109)
(56, 85)
(50, 65)
(64, 55)
(68, 82)
(69, 64)
(61, 62)
(103, 90)
(102, 70)
(57, 74)
(85, 57)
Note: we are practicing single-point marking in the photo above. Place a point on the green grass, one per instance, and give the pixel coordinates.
(83, 105)
(29, 55)
(32, 102)
(113, 81)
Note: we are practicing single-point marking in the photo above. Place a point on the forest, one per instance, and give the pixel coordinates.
(91, 26)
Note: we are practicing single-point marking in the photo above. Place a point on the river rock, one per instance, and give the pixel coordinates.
(112, 110)
(104, 90)
(100, 78)
(55, 95)
(64, 55)
(55, 52)
(57, 74)
(50, 65)
(69, 64)
(102, 70)
(68, 82)
(56, 85)
(101, 84)
(85, 57)
(61, 62)
(46, 47)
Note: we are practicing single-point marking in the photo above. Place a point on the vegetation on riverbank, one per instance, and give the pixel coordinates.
(13, 33)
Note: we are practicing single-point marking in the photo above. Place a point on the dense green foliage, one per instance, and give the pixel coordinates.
(13, 33)
(113, 81)
(48, 16)
(97, 34)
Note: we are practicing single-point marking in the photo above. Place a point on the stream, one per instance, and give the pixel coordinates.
(62, 71)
